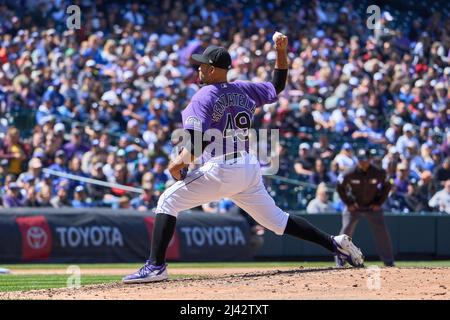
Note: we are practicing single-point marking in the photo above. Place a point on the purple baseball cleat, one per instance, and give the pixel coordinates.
(148, 273)
(346, 251)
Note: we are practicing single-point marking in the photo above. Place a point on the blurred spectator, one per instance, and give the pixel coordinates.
(401, 180)
(396, 202)
(14, 151)
(124, 203)
(423, 161)
(320, 174)
(34, 172)
(305, 119)
(132, 153)
(152, 134)
(390, 159)
(442, 173)
(371, 133)
(160, 176)
(61, 199)
(395, 129)
(345, 159)
(120, 177)
(147, 199)
(323, 149)
(97, 192)
(406, 139)
(222, 206)
(75, 146)
(304, 165)
(13, 197)
(143, 166)
(75, 169)
(4, 165)
(44, 196)
(60, 162)
(418, 194)
(86, 162)
(112, 159)
(320, 204)
(31, 197)
(134, 16)
(441, 200)
(342, 118)
(446, 145)
(80, 199)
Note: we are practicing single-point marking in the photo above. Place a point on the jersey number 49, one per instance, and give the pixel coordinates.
(237, 126)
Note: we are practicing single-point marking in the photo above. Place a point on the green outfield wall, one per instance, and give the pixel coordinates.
(102, 235)
(414, 236)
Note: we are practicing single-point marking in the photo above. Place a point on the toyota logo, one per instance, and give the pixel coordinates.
(36, 237)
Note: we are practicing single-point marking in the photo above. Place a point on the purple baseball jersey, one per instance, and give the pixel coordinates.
(228, 108)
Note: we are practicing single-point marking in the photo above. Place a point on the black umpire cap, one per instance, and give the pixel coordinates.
(215, 56)
(363, 155)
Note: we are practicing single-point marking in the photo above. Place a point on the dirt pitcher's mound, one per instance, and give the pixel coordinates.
(299, 283)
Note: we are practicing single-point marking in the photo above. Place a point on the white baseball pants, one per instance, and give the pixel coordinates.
(238, 179)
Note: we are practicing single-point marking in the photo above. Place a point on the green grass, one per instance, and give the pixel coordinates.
(260, 264)
(172, 264)
(12, 282)
(33, 282)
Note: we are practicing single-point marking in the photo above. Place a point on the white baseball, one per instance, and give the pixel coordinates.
(276, 36)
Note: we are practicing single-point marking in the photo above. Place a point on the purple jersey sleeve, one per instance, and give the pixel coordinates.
(260, 92)
(195, 116)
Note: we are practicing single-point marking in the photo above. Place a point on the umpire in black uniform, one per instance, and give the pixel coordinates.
(363, 189)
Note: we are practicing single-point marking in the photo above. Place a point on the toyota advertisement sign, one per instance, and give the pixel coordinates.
(36, 238)
(101, 236)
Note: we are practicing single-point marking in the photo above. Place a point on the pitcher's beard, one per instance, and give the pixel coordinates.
(201, 80)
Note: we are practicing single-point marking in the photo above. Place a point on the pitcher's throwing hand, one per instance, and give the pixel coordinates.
(280, 40)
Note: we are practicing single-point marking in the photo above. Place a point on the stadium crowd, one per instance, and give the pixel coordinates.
(105, 98)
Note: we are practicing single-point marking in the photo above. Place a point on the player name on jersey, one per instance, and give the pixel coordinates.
(231, 99)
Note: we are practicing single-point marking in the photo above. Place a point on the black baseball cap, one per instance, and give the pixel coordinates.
(363, 155)
(215, 56)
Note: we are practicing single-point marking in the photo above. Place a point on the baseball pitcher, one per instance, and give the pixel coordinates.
(224, 107)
